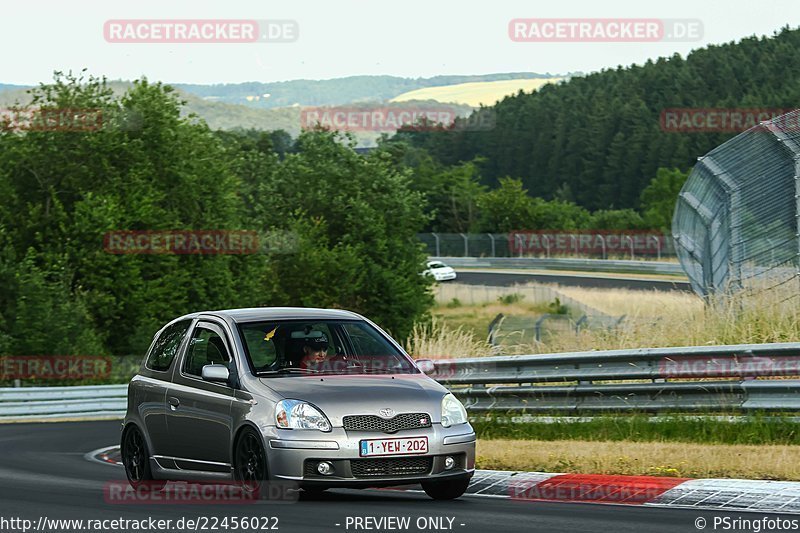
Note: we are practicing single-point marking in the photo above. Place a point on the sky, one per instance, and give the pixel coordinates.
(337, 38)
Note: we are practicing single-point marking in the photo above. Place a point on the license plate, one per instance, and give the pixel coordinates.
(414, 445)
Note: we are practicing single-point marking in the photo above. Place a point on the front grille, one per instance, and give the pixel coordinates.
(400, 466)
(386, 425)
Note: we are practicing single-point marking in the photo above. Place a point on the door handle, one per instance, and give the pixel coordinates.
(174, 403)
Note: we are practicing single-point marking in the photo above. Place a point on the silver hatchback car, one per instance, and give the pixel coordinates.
(323, 398)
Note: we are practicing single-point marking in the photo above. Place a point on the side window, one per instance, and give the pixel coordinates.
(261, 345)
(205, 348)
(166, 346)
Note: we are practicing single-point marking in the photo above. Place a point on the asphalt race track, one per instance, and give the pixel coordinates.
(43, 472)
(510, 278)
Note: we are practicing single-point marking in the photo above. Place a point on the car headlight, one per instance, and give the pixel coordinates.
(453, 413)
(296, 414)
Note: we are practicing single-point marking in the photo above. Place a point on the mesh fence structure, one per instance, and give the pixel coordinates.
(737, 220)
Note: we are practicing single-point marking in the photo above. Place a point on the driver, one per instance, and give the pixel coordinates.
(315, 351)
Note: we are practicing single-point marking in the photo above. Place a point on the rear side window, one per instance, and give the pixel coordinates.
(166, 346)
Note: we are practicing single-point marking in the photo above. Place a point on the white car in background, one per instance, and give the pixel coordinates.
(440, 271)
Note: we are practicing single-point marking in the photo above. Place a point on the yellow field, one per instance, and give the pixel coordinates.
(476, 93)
(642, 458)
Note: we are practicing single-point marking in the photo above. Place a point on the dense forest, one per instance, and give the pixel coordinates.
(597, 140)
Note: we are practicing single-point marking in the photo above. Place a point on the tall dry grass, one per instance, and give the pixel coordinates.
(653, 319)
(642, 458)
(439, 340)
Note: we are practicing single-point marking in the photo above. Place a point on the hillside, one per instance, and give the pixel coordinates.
(598, 139)
(337, 91)
(223, 116)
(475, 94)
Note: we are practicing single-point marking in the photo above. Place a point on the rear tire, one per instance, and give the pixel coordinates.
(136, 459)
(446, 490)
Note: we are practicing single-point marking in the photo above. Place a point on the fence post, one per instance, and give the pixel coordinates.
(538, 327)
(492, 328)
(492, 238)
(603, 243)
(466, 244)
(631, 241)
(546, 245)
(438, 250)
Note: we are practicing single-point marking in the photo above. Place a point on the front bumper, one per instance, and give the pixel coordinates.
(293, 455)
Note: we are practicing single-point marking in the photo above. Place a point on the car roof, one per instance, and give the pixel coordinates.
(255, 314)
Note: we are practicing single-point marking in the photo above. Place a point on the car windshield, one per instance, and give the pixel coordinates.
(436, 264)
(296, 347)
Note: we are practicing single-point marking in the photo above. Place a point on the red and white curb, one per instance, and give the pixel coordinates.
(719, 494)
(722, 494)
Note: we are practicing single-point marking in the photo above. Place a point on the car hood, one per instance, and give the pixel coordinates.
(339, 396)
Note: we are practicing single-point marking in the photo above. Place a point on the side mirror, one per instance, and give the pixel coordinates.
(216, 373)
(426, 366)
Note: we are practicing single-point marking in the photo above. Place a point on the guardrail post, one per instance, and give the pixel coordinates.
(17, 383)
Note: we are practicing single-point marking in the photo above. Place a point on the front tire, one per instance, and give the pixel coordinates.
(446, 490)
(250, 461)
(136, 459)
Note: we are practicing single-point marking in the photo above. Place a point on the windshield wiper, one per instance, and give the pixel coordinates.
(288, 370)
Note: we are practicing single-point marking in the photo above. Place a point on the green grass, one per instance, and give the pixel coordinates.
(754, 430)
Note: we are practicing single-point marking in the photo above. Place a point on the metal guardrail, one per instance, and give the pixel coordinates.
(91, 401)
(687, 379)
(585, 265)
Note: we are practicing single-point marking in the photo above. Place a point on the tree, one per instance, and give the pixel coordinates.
(353, 222)
(659, 198)
(506, 208)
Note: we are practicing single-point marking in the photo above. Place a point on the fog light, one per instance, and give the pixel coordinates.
(325, 468)
(449, 463)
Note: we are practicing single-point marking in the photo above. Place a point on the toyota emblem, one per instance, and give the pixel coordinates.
(387, 412)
